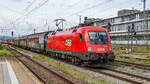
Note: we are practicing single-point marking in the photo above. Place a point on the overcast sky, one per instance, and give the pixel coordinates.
(22, 16)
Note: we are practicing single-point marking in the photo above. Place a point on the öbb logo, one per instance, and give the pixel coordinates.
(68, 42)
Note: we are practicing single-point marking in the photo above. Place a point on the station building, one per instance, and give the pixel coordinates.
(120, 25)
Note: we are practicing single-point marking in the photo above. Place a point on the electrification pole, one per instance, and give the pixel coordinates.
(79, 19)
(145, 23)
(144, 5)
(34, 30)
(48, 27)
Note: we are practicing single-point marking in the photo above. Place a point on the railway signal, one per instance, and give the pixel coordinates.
(12, 33)
(108, 27)
(131, 29)
(131, 34)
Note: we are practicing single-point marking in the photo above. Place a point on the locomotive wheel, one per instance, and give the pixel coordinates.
(76, 61)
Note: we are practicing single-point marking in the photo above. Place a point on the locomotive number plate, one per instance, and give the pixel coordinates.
(101, 49)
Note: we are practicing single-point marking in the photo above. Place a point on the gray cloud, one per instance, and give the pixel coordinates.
(17, 0)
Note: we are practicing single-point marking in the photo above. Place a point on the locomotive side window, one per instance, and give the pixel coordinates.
(81, 37)
(98, 37)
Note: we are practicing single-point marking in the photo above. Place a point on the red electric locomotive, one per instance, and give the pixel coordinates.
(90, 45)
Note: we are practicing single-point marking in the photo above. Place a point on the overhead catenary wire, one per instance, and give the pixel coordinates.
(47, 1)
(34, 9)
(12, 10)
(23, 17)
(91, 7)
(31, 3)
(88, 8)
(108, 9)
(42, 3)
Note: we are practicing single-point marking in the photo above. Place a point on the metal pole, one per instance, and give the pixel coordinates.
(79, 19)
(128, 43)
(34, 31)
(144, 5)
(131, 42)
(48, 27)
(145, 23)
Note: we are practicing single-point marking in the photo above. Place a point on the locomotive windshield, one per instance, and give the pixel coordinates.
(98, 37)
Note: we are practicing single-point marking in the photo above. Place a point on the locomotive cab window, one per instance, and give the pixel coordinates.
(98, 37)
(81, 37)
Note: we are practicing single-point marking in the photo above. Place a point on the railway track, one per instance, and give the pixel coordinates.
(137, 65)
(138, 58)
(127, 77)
(124, 76)
(130, 78)
(45, 74)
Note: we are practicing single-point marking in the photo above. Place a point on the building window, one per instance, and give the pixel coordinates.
(117, 20)
(148, 24)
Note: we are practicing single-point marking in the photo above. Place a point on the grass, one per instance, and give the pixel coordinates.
(144, 71)
(20, 49)
(1, 47)
(88, 78)
(113, 63)
(6, 53)
(132, 67)
(140, 51)
(135, 48)
(133, 60)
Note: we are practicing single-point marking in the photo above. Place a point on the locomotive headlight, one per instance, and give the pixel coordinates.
(89, 48)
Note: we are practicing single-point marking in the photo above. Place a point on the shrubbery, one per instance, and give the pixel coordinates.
(6, 53)
(1, 47)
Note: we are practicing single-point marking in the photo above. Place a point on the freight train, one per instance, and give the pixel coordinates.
(84, 45)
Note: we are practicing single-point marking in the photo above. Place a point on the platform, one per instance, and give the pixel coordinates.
(13, 71)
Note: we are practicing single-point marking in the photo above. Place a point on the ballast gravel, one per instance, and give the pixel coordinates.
(140, 72)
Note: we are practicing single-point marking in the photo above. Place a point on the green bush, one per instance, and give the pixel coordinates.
(1, 47)
(6, 53)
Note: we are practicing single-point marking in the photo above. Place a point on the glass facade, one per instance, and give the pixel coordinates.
(122, 23)
(126, 38)
(139, 26)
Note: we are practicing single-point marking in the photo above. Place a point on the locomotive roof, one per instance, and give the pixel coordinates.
(93, 27)
(85, 27)
(80, 29)
(90, 27)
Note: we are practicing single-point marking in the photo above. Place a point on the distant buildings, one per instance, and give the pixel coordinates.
(5, 37)
(121, 24)
(127, 11)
